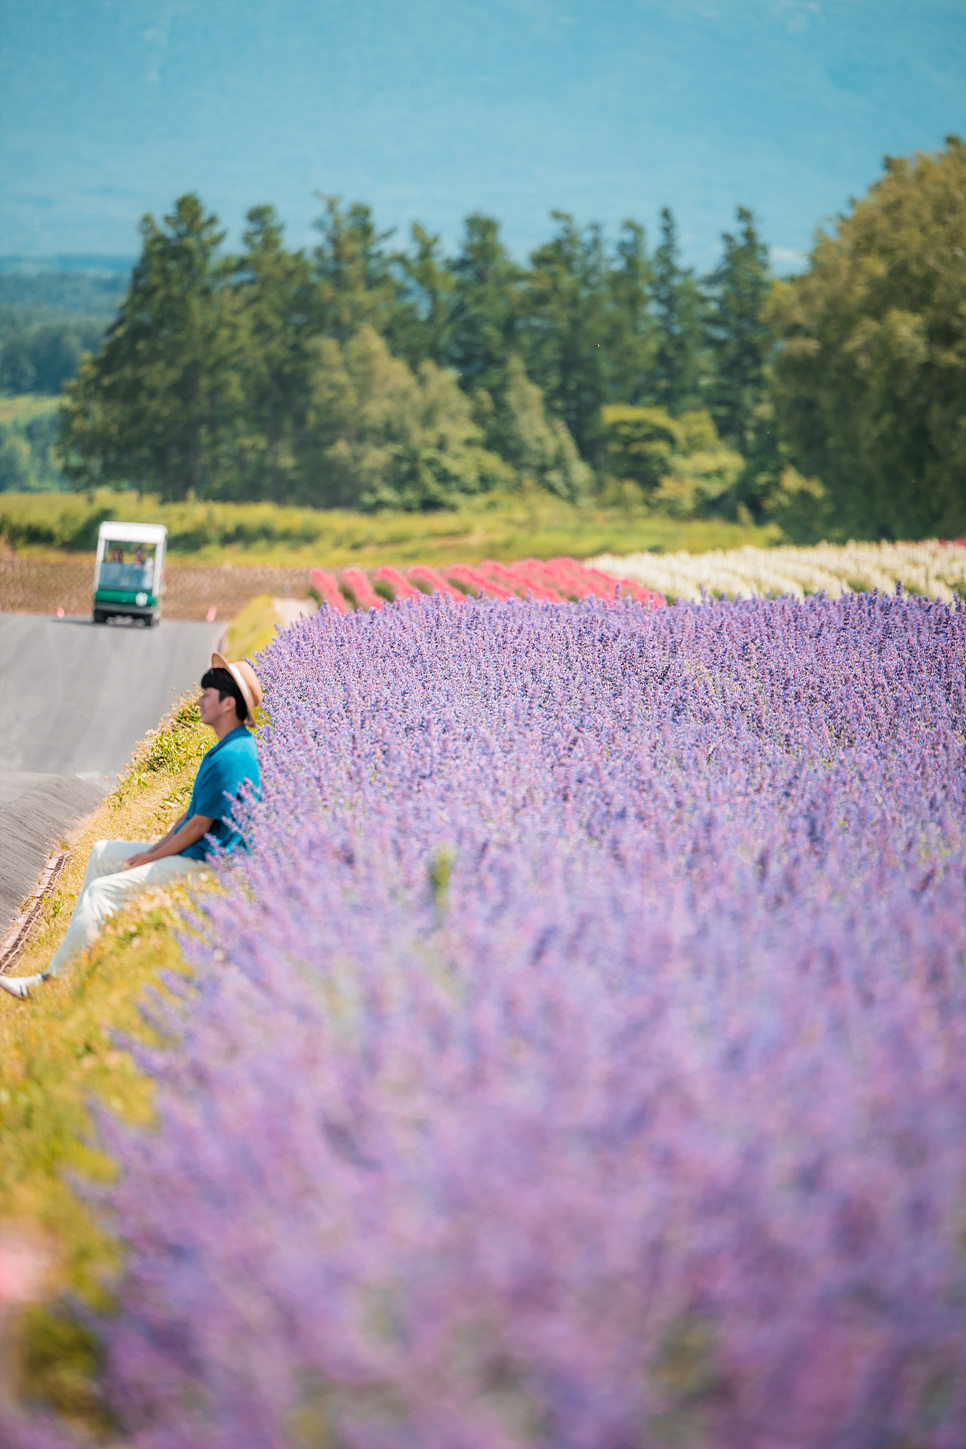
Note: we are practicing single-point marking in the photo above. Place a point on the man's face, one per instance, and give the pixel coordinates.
(212, 708)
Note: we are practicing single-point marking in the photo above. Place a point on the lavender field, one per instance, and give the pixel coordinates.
(577, 1060)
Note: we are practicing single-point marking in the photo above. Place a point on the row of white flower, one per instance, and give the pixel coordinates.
(931, 568)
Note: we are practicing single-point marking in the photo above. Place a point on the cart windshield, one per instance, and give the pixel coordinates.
(127, 566)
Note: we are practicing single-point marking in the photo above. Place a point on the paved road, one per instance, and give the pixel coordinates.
(34, 809)
(75, 698)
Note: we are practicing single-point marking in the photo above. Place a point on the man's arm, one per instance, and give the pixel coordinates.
(182, 834)
(165, 839)
(170, 834)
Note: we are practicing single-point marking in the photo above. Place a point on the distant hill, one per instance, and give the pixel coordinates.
(63, 290)
(90, 264)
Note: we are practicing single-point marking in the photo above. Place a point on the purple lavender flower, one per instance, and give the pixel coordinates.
(577, 1059)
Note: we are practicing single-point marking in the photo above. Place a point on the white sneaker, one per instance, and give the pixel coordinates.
(22, 987)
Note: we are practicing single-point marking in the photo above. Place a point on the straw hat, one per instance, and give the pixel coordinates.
(244, 676)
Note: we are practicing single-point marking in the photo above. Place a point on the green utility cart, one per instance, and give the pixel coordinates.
(129, 572)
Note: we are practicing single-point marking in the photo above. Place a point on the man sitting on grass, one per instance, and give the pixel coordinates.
(118, 870)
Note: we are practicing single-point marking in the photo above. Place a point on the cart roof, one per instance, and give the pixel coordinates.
(133, 532)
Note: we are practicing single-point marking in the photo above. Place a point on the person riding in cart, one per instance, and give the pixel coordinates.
(129, 590)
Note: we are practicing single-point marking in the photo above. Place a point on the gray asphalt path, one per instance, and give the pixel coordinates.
(75, 698)
(34, 810)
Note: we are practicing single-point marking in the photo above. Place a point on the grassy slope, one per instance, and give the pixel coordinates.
(58, 1052)
(253, 629)
(503, 528)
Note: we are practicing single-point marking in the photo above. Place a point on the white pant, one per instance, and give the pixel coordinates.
(107, 887)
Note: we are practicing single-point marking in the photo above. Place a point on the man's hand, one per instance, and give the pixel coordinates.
(144, 857)
(148, 857)
(178, 838)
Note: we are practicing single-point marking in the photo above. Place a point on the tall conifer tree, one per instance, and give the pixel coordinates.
(274, 289)
(155, 407)
(737, 331)
(486, 305)
(678, 309)
(631, 335)
(422, 326)
(353, 271)
(569, 316)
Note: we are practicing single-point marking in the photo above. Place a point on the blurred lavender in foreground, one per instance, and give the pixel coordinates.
(578, 1060)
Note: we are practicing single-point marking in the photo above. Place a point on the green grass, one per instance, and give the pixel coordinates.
(498, 527)
(58, 1053)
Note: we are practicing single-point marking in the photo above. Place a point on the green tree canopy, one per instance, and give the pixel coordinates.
(639, 443)
(538, 445)
(679, 464)
(595, 364)
(872, 363)
(381, 435)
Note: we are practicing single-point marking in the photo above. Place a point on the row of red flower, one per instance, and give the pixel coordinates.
(560, 580)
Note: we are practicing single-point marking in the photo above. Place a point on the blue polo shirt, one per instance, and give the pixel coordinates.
(221, 774)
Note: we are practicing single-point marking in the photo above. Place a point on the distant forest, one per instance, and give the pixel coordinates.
(47, 321)
(368, 374)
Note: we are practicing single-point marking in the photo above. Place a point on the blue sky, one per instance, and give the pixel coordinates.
(428, 109)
